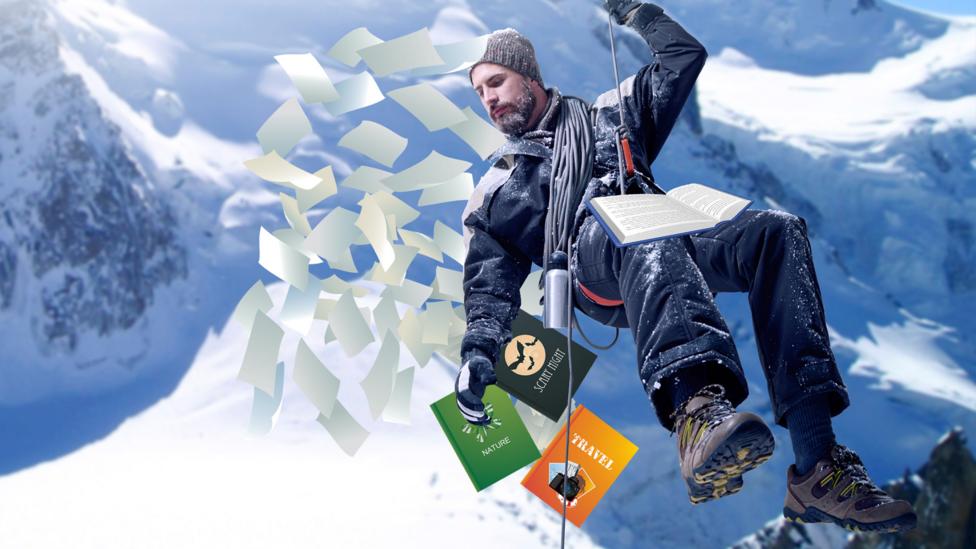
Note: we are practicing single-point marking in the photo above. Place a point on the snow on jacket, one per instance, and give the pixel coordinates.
(504, 220)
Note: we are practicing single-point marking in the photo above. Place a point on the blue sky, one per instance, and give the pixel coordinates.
(955, 7)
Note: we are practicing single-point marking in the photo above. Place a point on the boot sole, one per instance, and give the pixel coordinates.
(720, 475)
(812, 514)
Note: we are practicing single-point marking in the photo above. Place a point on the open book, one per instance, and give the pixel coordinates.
(635, 218)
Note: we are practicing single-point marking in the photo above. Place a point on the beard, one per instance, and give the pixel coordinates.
(516, 120)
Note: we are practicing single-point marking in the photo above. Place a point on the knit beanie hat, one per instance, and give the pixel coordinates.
(510, 49)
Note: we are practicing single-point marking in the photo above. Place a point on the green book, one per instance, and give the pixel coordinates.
(492, 452)
(534, 365)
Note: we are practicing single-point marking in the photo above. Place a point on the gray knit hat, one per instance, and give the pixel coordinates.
(510, 49)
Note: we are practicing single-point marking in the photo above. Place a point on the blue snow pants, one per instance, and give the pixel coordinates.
(667, 288)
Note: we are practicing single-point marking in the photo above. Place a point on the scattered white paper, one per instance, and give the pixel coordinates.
(282, 260)
(437, 323)
(329, 335)
(456, 55)
(296, 240)
(336, 285)
(449, 241)
(261, 355)
(394, 276)
(452, 353)
(293, 214)
(448, 284)
(321, 191)
(318, 384)
(531, 293)
(378, 384)
(410, 292)
(385, 316)
(266, 408)
(425, 245)
(272, 167)
(349, 326)
(375, 141)
(255, 299)
(345, 430)
(372, 223)
(366, 178)
(308, 76)
(429, 172)
(458, 188)
(481, 136)
(355, 92)
(432, 108)
(331, 238)
(323, 308)
(285, 127)
(344, 50)
(298, 311)
(401, 211)
(398, 409)
(411, 333)
(407, 52)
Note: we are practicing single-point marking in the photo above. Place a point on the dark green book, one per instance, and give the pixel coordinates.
(492, 452)
(534, 365)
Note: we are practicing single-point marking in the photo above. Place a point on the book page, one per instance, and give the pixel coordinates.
(715, 204)
(635, 217)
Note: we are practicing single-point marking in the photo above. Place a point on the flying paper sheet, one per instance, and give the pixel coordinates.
(407, 52)
(448, 284)
(355, 92)
(331, 238)
(323, 308)
(336, 285)
(429, 172)
(285, 127)
(410, 292)
(411, 332)
(345, 430)
(458, 188)
(452, 353)
(344, 50)
(318, 384)
(298, 311)
(434, 110)
(437, 322)
(366, 178)
(478, 134)
(272, 167)
(265, 408)
(375, 141)
(394, 276)
(373, 224)
(424, 244)
(449, 241)
(350, 328)
(308, 76)
(398, 409)
(261, 355)
(254, 300)
(456, 55)
(329, 336)
(378, 384)
(385, 316)
(531, 293)
(321, 191)
(293, 214)
(402, 212)
(282, 260)
(296, 240)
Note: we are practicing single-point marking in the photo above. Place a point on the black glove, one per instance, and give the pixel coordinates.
(620, 8)
(469, 388)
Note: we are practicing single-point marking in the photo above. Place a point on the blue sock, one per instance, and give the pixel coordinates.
(810, 431)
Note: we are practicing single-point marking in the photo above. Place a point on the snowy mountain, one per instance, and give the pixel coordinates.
(857, 115)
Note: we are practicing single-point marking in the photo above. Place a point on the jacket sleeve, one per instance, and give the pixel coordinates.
(661, 88)
(493, 275)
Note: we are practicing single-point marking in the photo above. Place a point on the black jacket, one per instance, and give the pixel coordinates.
(504, 220)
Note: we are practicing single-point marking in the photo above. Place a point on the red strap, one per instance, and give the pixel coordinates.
(597, 299)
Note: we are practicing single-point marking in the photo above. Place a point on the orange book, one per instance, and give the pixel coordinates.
(597, 456)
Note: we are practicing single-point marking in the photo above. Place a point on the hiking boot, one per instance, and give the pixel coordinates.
(838, 490)
(716, 444)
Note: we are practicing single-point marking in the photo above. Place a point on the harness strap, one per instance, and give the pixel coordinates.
(597, 299)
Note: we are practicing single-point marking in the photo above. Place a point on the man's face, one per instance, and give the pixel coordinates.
(505, 95)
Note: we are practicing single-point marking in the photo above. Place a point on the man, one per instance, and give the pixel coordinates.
(662, 290)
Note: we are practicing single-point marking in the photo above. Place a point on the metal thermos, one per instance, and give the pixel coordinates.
(556, 298)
